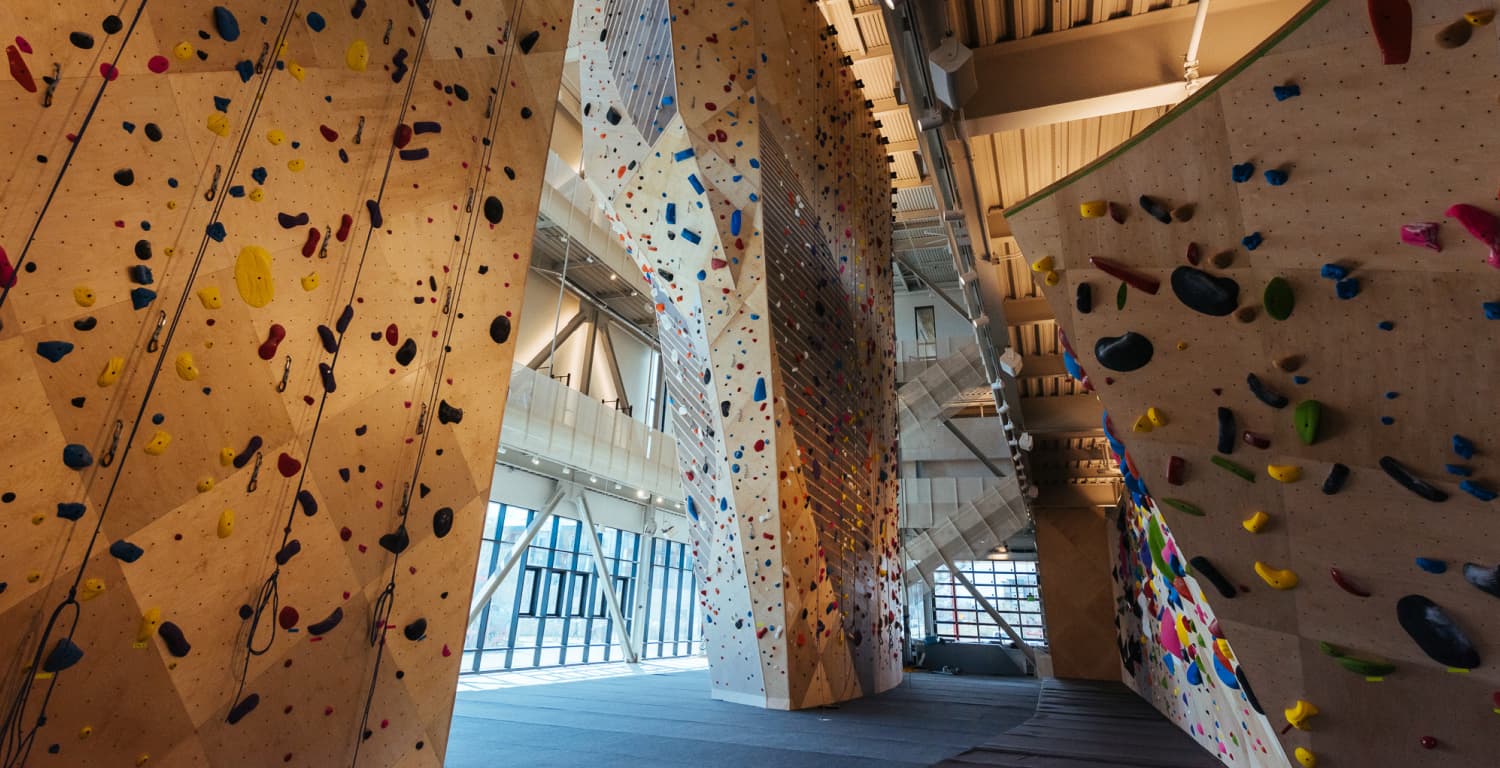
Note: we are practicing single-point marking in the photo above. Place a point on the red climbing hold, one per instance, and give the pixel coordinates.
(310, 247)
(19, 70)
(108, 70)
(1391, 22)
(1136, 280)
(273, 340)
(7, 272)
(288, 617)
(392, 335)
(345, 224)
(1483, 225)
(158, 64)
(403, 135)
(329, 134)
(287, 465)
(1429, 742)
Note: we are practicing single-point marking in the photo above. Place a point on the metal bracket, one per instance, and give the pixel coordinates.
(448, 300)
(469, 206)
(155, 343)
(359, 133)
(260, 63)
(389, 25)
(114, 442)
(327, 235)
(286, 373)
(254, 473)
(213, 188)
(52, 84)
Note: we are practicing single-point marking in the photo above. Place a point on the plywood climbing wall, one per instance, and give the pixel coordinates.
(741, 168)
(1313, 319)
(261, 265)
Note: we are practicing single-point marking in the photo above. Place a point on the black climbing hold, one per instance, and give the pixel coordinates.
(153, 131)
(65, 654)
(1124, 353)
(1085, 299)
(447, 414)
(1208, 571)
(325, 372)
(143, 250)
(724, 408)
(1226, 430)
(246, 611)
(375, 218)
(442, 522)
(290, 221)
(1337, 474)
(613, 116)
(525, 113)
(415, 630)
(330, 342)
(530, 40)
(1436, 633)
(1239, 674)
(112, 24)
(171, 634)
(286, 553)
(500, 329)
(1202, 292)
(344, 318)
(326, 625)
(70, 510)
(76, 456)
(1410, 482)
(82, 40)
(244, 707)
(1267, 396)
(407, 352)
(1156, 209)
(307, 502)
(124, 550)
(85, 323)
(124, 177)
(246, 455)
(493, 210)
(1486, 579)
(397, 542)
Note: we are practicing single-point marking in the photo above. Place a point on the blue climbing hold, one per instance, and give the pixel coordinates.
(1463, 446)
(691, 236)
(76, 456)
(316, 22)
(53, 350)
(227, 25)
(221, 104)
(1301, 379)
(1458, 469)
(760, 389)
(140, 274)
(1492, 310)
(735, 222)
(1284, 92)
(124, 550)
(259, 174)
(1241, 173)
(1334, 272)
(696, 184)
(1432, 566)
(692, 508)
(1347, 288)
(1276, 177)
(1252, 241)
(1476, 490)
(1194, 676)
(217, 232)
(140, 298)
(246, 70)
(1385, 325)
(682, 154)
(70, 510)
(671, 213)
(1387, 420)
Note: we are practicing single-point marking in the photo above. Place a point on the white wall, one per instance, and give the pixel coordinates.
(949, 323)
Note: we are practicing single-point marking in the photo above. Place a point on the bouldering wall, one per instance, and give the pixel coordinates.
(740, 166)
(1285, 293)
(261, 264)
(1077, 596)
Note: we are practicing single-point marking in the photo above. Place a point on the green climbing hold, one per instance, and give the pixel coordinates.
(1120, 296)
(1184, 507)
(1278, 298)
(1306, 418)
(1155, 541)
(1244, 473)
(1356, 665)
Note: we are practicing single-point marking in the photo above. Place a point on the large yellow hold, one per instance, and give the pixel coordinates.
(226, 523)
(150, 620)
(187, 370)
(358, 56)
(252, 275)
(112, 370)
(158, 443)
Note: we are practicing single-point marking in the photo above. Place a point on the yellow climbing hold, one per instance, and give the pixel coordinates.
(276, 136)
(39, 518)
(310, 282)
(92, 588)
(1256, 522)
(186, 370)
(1181, 345)
(1298, 714)
(158, 443)
(1141, 424)
(1276, 578)
(1480, 18)
(256, 195)
(183, 50)
(1093, 209)
(252, 275)
(205, 485)
(1158, 419)
(296, 70)
(226, 456)
(171, 205)
(226, 523)
(295, 164)
(33, 577)
(1286, 473)
(1052, 277)
(84, 295)
(1044, 264)
(218, 122)
(150, 620)
(142, 759)
(86, 731)
(357, 57)
(1306, 758)
(112, 370)
(209, 296)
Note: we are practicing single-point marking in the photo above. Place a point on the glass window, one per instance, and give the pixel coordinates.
(1010, 587)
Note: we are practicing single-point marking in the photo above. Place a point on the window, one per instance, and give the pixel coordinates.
(1011, 588)
(926, 333)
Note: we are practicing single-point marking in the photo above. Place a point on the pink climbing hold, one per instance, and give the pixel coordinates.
(310, 247)
(1483, 225)
(19, 70)
(23, 45)
(7, 271)
(109, 71)
(158, 64)
(287, 465)
(1422, 235)
(273, 340)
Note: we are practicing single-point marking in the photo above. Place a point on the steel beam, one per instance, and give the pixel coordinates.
(517, 554)
(606, 579)
(974, 449)
(607, 341)
(586, 377)
(545, 353)
(942, 294)
(990, 609)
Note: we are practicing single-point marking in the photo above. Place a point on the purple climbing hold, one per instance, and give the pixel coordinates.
(286, 553)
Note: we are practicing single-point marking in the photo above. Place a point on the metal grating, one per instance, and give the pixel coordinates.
(640, 57)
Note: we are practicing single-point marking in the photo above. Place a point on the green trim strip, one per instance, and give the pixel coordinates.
(1203, 93)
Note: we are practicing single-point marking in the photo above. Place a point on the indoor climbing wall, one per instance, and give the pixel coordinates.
(751, 190)
(260, 265)
(1285, 292)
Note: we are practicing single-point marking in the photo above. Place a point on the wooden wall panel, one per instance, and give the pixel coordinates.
(1077, 596)
(1400, 366)
(345, 421)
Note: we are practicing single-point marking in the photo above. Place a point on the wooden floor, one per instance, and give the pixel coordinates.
(1094, 725)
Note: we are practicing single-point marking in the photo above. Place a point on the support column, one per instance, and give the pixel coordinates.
(483, 594)
(606, 579)
(990, 609)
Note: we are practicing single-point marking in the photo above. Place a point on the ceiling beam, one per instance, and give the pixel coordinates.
(897, 147)
(873, 52)
(1046, 457)
(1117, 66)
(1040, 365)
(1069, 413)
(1059, 496)
(1029, 310)
(910, 182)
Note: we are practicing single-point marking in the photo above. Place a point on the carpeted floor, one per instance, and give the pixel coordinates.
(669, 721)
